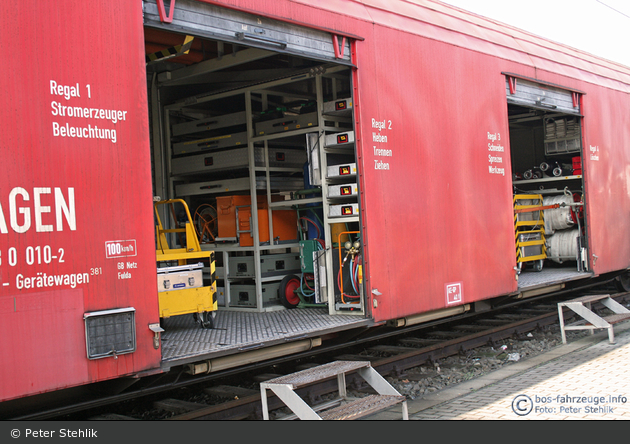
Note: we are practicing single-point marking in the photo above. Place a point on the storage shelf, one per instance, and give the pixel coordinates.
(347, 148)
(339, 180)
(549, 179)
(284, 134)
(343, 220)
(235, 185)
(336, 200)
(236, 247)
(339, 107)
(263, 278)
(342, 113)
(278, 169)
(339, 140)
(294, 202)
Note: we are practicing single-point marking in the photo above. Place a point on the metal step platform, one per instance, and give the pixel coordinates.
(590, 320)
(347, 409)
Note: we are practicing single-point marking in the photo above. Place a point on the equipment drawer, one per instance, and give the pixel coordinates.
(286, 123)
(270, 264)
(245, 295)
(237, 158)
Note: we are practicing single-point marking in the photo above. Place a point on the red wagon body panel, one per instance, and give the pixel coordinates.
(427, 226)
(432, 147)
(70, 185)
(438, 216)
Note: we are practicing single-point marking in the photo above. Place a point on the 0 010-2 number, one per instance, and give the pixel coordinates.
(34, 255)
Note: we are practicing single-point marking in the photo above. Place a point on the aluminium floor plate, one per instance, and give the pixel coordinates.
(184, 341)
(529, 279)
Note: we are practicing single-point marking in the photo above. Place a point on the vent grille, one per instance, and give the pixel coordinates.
(110, 333)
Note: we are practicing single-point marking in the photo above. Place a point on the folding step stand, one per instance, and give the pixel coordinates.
(591, 321)
(345, 409)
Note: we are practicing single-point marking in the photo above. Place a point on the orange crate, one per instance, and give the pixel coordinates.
(284, 221)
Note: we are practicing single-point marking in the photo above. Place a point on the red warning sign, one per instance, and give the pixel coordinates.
(454, 293)
(342, 138)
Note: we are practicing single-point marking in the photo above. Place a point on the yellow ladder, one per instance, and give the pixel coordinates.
(529, 230)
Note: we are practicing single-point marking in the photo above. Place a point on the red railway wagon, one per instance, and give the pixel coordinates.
(349, 163)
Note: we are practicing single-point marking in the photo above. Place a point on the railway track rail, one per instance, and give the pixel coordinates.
(236, 396)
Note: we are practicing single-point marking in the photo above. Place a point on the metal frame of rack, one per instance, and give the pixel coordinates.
(167, 181)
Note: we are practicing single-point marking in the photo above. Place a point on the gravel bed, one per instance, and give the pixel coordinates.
(420, 381)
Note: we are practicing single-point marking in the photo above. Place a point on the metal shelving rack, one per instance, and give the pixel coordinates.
(334, 142)
(260, 178)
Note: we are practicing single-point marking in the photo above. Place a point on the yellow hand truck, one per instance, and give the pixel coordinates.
(181, 288)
